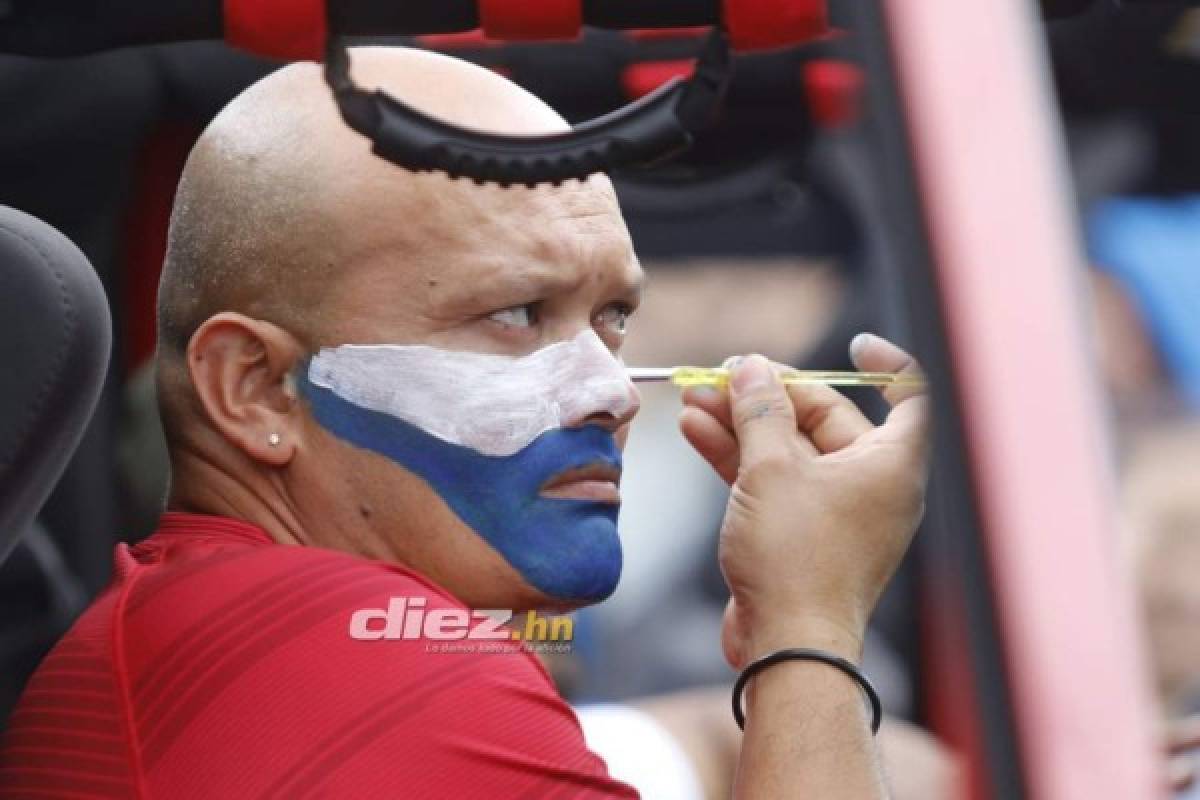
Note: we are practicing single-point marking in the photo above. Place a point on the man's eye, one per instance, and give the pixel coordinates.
(516, 317)
(615, 318)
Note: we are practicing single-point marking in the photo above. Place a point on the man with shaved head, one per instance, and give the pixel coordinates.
(393, 400)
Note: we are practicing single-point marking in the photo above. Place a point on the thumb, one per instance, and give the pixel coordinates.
(763, 417)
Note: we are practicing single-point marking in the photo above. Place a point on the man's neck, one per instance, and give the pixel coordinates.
(207, 486)
(199, 486)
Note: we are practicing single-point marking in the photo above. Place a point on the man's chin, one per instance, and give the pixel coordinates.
(529, 598)
(591, 599)
(581, 563)
(598, 594)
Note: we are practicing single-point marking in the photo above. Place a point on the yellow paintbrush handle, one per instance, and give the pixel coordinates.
(719, 376)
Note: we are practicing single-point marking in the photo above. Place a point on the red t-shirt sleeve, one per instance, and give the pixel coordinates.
(243, 681)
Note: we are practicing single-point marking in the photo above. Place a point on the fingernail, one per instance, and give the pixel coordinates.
(731, 362)
(751, 373)
(860, 343)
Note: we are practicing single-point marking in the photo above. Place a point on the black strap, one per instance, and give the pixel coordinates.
(805, 654)
(656, 126)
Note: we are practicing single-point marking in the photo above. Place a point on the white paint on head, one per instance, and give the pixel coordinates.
(493, 404)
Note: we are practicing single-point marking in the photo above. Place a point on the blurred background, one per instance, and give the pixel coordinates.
(765, 237)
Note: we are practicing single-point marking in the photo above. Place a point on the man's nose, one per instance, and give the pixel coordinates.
(618, 414)
(612, 407)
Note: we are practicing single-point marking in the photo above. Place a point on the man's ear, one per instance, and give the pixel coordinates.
(240, 368)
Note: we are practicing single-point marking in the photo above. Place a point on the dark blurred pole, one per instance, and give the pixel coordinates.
(1041, 675)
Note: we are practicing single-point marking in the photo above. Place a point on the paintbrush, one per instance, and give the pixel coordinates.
(719, 376)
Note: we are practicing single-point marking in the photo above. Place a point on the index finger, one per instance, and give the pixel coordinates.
(763, 416)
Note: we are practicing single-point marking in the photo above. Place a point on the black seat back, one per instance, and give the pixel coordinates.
(55, 340)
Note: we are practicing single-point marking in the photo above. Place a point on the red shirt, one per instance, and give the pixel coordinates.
(219, 664)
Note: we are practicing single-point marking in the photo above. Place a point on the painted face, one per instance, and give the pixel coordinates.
(487, 433)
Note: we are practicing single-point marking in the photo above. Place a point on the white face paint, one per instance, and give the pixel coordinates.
(494, 404)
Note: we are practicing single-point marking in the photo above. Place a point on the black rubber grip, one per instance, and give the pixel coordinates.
(642, 132)
(650, 129)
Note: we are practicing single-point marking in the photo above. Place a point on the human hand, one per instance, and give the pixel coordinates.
(823, 503)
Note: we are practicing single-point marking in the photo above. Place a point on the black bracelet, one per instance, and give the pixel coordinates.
(805, 654)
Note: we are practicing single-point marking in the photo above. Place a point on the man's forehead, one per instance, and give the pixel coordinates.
(440, 247)
(436, 204)
(568, 248)
(505, 279)
(576, 223)
(591, 201)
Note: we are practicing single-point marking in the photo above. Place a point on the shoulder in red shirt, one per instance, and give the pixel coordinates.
(220, 664)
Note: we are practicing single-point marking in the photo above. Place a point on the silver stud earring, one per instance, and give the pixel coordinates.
(274, 440)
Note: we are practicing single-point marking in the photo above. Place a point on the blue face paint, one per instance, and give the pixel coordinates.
(566, 548)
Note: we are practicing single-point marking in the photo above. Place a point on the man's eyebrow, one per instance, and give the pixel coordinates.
(531, 278)
(535, 280)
